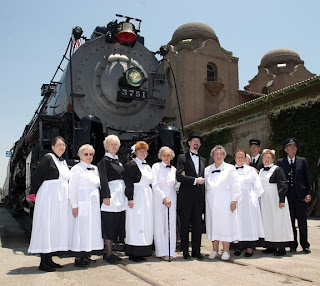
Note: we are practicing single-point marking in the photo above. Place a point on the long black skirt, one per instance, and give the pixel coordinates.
(113, 225)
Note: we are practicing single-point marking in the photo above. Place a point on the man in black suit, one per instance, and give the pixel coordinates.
(190, 205)
(254, 147)
(299, 191)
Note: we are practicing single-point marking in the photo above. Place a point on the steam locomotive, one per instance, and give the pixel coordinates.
(111, 84)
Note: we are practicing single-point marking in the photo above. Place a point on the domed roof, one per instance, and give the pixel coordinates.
(280, 56)
(193, 30)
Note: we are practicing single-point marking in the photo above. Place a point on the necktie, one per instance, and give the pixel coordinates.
(291, 161)
(239, 167)
(266, 168)
(216, 171)
(194, 154)
(168, 166)
(253, 161)
(144, 163)
(90, 169)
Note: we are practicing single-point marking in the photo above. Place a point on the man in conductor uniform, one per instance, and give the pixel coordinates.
(254, 147)
(190, 205)
(299, 191)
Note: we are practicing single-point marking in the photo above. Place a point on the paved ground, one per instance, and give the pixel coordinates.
(19, 268)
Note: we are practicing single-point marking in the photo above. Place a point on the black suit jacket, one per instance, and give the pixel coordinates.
(188, 192)
(258, 165)
(302, 181)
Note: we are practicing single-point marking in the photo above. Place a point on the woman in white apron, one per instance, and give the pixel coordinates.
(52, 212)
(222, 193)
(139, 218)
(250, 222)
(274, 206)
(84, 198)
(114, 201)
(164, 186)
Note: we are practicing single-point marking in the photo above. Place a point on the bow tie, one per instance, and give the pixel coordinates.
(239, 167)
(90, 169)
(266, 168)
(144, 163)
(168, 166)
(59, 158)
(194, 154)
(216, 171)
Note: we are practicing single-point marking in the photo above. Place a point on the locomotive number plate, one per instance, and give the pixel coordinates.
(133, 93)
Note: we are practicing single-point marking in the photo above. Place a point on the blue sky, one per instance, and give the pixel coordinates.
(34, 36)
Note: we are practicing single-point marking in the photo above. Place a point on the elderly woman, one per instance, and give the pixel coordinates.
(222, 194)
(84, 198)
(274, 206)
(251, 228)
(165, 188)
(114, 201)
(52, 212)
(139, 219)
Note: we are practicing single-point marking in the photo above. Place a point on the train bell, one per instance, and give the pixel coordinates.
(126, 33)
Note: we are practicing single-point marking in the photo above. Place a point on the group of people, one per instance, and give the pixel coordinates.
(87, 208)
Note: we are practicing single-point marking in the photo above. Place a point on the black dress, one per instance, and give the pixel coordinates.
(112, 186)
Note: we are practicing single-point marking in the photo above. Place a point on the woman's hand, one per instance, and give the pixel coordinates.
(281, 205)
(167, 202)
(106, 201)
(233, 206)
(131, 204)
(75, 212)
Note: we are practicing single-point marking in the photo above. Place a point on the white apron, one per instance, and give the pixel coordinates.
(118, 200)
(251, 227)
(139, 219)
(221, 189)
(164, 185)
(276, 221)
(87, 234)
(51, 229)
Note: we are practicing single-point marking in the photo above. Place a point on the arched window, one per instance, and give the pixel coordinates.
(211, 72)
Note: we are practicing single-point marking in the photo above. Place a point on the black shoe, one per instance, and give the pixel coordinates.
(280, 252)
(293, 250)
(111, 259)
(186, 256)
(141, 258)
(307, 250)
(46, 268)
(268, 250)
(89, 260)
(53, 264)
(134, 258)
(199, 256)
(248, 254)
(237, 252)
(80, 262)
(117, 257)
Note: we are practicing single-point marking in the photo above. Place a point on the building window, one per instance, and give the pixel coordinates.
(211, 72)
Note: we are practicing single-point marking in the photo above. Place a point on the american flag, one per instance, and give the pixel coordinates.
(75, 43)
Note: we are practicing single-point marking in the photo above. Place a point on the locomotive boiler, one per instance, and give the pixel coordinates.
(111, 84)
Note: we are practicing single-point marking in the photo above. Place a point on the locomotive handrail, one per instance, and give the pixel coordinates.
(63, 58)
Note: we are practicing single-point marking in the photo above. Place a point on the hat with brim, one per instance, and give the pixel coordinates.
(194, 134)
(254, 142)
(290, 141)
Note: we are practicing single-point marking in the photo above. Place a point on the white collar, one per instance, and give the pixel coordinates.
(221, 167)
(293, 159)
(111, 156)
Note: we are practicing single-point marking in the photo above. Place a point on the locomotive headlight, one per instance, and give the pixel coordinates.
(134, 77)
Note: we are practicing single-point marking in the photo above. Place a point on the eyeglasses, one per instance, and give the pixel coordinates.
(88, 154)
